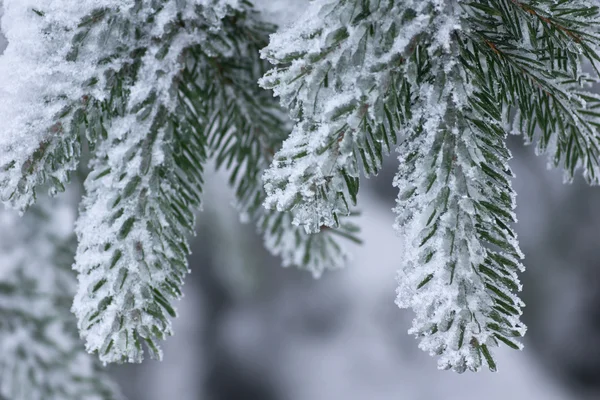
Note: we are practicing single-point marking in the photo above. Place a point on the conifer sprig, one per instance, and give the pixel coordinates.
(444, 78)
(41, 145)
(246, 128)
(146, 182)
(336, 72)
(455, 209)
(534, 53)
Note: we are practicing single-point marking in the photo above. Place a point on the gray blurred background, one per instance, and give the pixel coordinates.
(251, 330)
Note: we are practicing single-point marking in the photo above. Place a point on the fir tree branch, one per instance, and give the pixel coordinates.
(41, 113)
(336, 72)
(455, 205)
(246, 128)
(146, 179)
(455, 208)
(534, 54)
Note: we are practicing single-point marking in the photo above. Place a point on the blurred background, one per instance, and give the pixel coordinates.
(251, 330)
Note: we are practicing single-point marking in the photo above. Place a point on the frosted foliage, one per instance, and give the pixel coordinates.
(440, 79)
(280, 12)
(454, 211)
(247, 125)
(567, 106)
(154, 87)
(313, 252)
(36, 89)
(139, 204)
(42, 356)
(335, 72)
(43, 98)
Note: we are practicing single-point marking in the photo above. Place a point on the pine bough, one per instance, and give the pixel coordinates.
(154, 88)
(438, 80)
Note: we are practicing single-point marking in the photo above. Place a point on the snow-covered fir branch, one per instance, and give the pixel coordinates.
(440, 78)
(337, 73)
(146, 181)
(160, 86)
(149, 90)
(247, 129)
